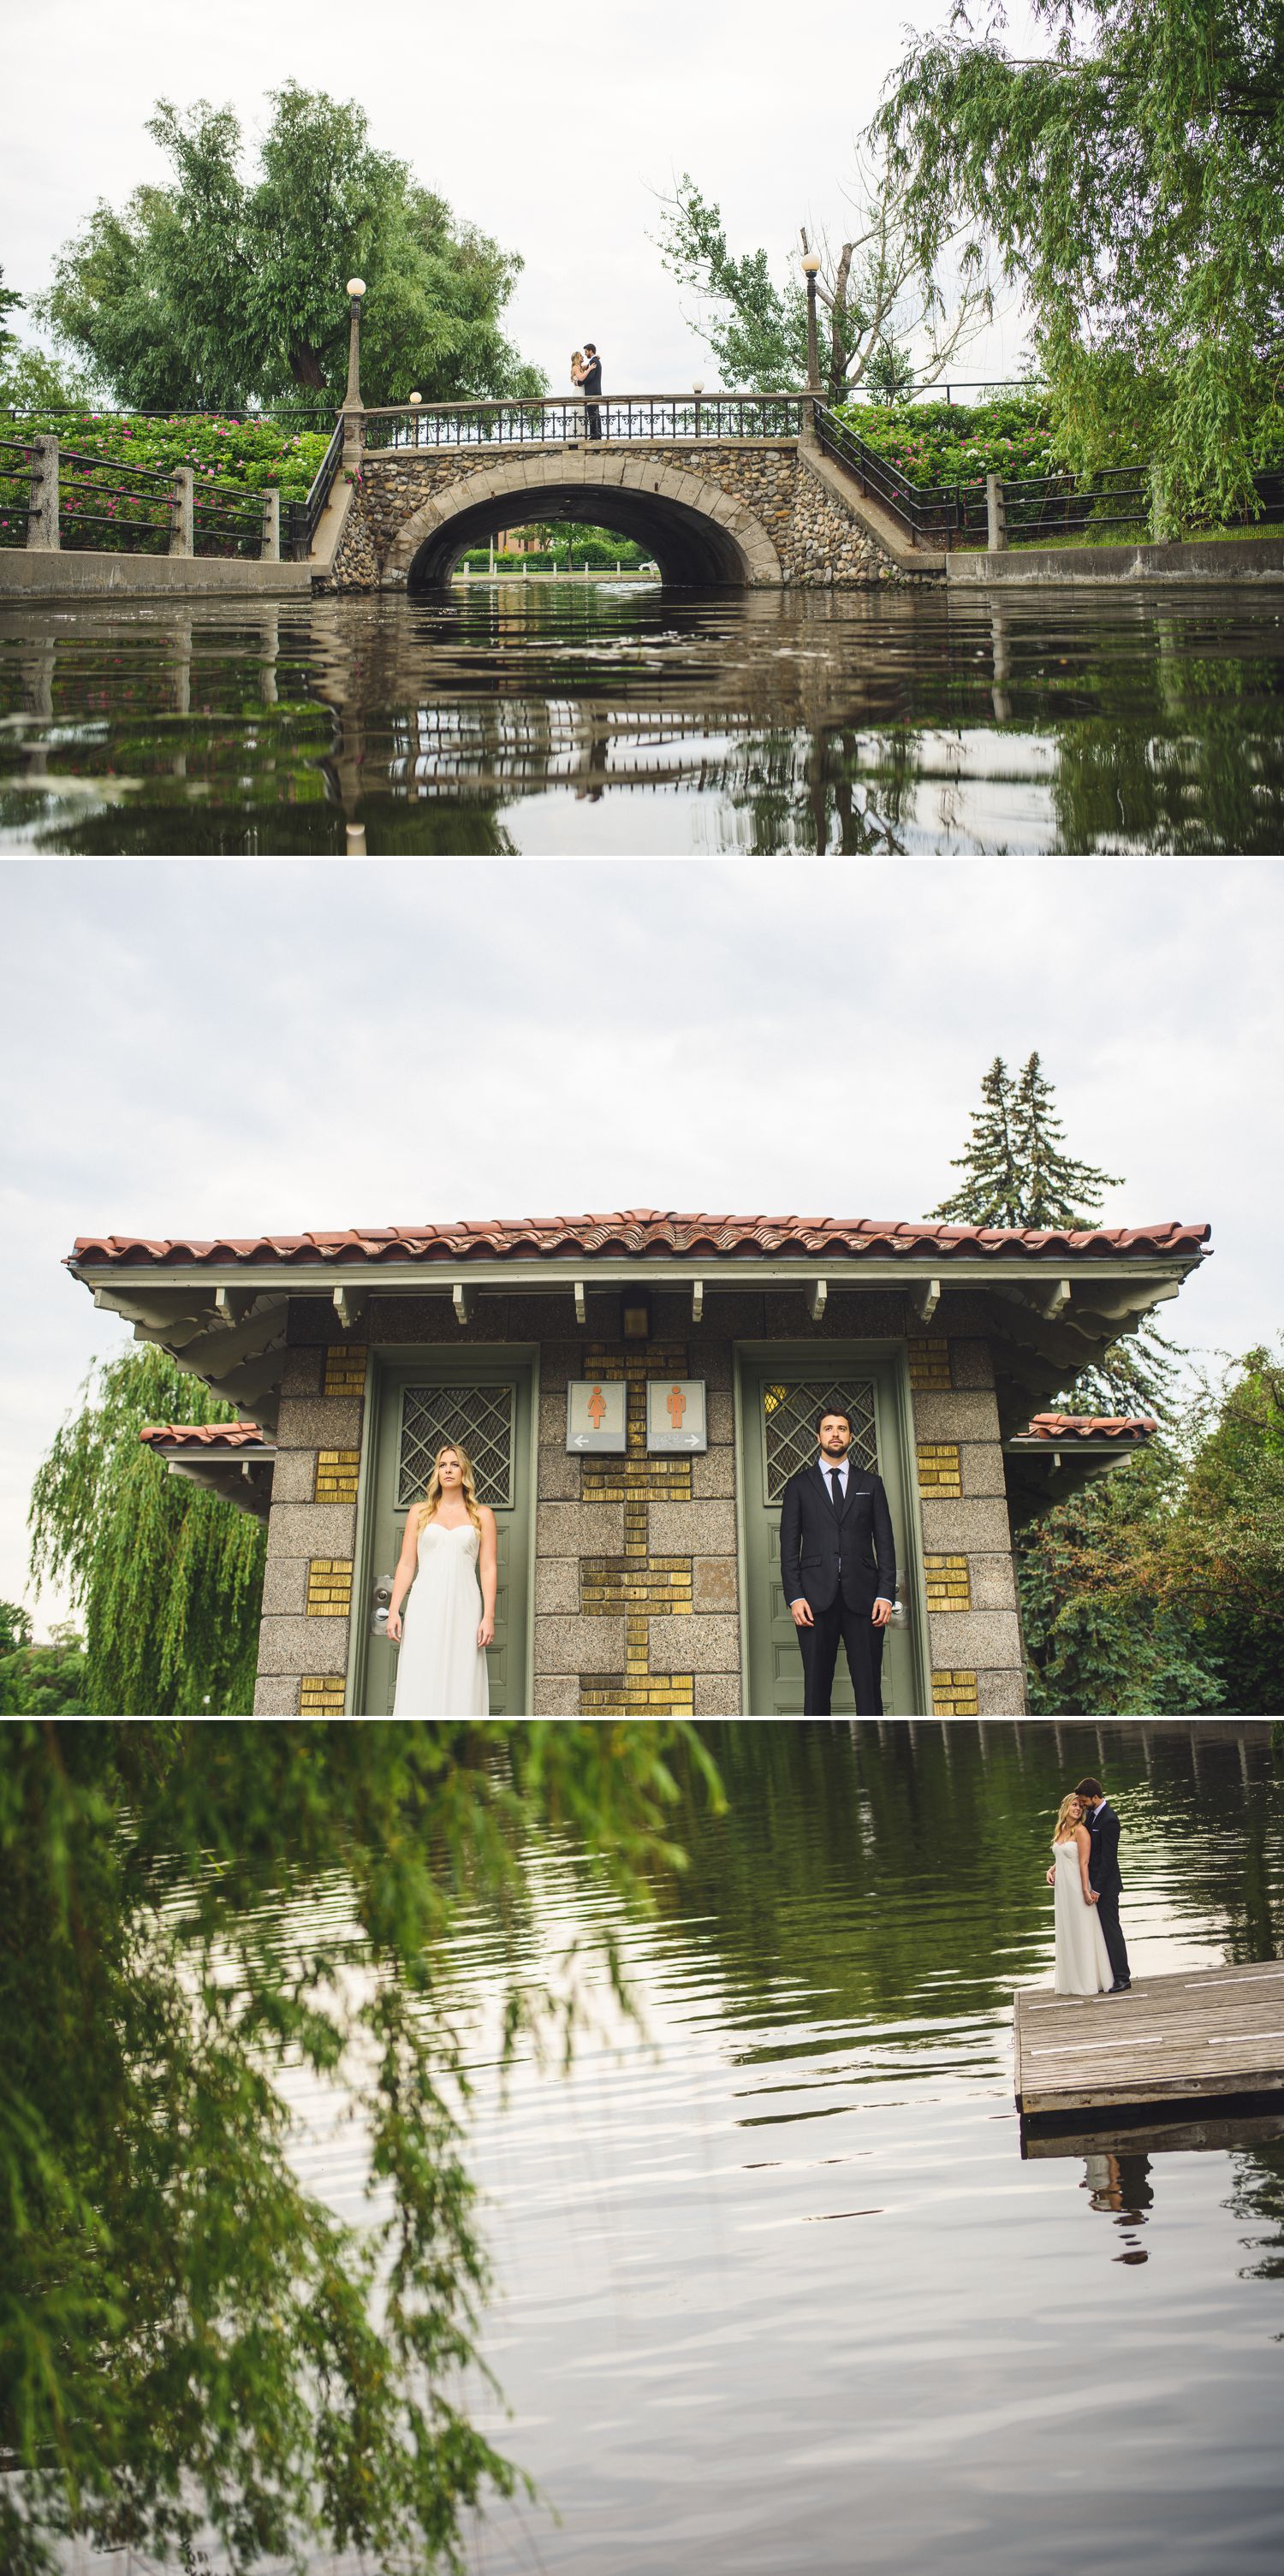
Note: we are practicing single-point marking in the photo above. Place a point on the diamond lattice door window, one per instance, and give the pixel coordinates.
(790, 1413)
(479, 1419)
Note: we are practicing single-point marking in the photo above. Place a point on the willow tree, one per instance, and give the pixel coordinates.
(191, 2341)
(169, 1577)
(228, 283)
(1133, 178)
(1018, 1173)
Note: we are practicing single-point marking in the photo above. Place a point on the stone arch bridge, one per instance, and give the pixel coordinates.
(734, 492)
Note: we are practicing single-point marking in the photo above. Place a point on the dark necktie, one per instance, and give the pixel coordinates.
(836, 1492)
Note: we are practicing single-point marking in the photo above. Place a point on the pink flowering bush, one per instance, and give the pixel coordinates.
(232, 457)
(938, 442)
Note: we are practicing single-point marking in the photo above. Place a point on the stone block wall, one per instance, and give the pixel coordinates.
(312, 1528)
(636, 1606)
(820, 544)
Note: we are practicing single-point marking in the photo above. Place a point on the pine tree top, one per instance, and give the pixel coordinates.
(1017, 1170)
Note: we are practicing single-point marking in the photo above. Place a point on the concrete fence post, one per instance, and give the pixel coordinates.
(42, 507)
(996, 514)
(182, 524)
(270, 545)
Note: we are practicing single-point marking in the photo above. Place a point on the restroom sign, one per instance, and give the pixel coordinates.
(596, 1416)
(675, 1415)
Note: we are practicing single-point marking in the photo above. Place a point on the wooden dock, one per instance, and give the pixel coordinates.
(1201, 2037)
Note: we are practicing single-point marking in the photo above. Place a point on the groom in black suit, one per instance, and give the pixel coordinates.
(838, 1563)
(1104, 1878)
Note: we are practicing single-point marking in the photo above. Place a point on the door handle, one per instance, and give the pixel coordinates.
(380, 1596)
(900, 1614)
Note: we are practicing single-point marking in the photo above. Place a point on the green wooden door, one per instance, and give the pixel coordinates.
(780, 1397)
(483, 1401)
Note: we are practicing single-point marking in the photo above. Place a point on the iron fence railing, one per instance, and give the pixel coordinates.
(563, 422)
(1062, 505)
(18, 478)
(1036, 506)
(932, 514)
(305, 516)
(146, 495)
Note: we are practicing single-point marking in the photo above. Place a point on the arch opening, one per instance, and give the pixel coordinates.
(693, 551)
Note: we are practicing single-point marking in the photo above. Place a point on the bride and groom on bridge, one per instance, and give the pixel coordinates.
(1090, 1956)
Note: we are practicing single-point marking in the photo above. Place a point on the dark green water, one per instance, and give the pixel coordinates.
(781, 2294)
(775, 2289)
(610, 719)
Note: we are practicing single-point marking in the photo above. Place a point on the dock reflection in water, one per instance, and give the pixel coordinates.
(501, 719)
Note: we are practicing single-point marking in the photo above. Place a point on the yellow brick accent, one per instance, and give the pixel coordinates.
(337, 1475)
(648, 1695)
(330, 1587)
(929, 1363)
(321, 1695)
(948, 1583)
(955, 1695)
(345, 1369)
(637, 1585)
(940, 1474)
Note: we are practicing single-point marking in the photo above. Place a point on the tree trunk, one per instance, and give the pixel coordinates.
(306, 368)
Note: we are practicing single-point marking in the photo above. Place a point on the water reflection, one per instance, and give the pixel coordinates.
(779, 2285)
(505, 719)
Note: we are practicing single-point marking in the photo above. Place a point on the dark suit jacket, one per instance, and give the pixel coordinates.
(812, 1540)
(1103, 1857)
(591, 384)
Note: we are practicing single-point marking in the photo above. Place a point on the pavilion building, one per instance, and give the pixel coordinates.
(634, 1390)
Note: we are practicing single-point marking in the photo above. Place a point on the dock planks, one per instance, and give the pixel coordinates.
(1201, 2036)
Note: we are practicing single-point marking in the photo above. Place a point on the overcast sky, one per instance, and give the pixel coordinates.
(221, 1047)
(552, 126)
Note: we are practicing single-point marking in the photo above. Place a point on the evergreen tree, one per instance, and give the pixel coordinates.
(169, 1577)
(1019, 1174)
(992, 1193)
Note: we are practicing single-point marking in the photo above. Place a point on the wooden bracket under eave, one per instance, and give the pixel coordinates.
(816, 1300)
(464, 1301)
(581, 1303)
(349, 1306)
(925, 1297)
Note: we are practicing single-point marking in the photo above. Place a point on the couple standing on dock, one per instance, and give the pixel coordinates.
(1090, 1955)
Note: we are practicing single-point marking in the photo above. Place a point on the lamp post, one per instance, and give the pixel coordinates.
(697, 390)
(811, 265)
(352, 418)
(416, 400)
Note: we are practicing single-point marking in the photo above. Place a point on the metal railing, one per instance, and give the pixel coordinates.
(19, 484)
(932, 514)
(560, 422)
(947, 515)
(306, 516)
(78, 502)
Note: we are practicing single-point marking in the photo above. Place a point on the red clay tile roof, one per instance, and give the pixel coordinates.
(1090, 1426)
(204, 1435)
(635, 1231)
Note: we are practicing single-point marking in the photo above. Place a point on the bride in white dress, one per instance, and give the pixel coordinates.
(449, 1567)
(1082, 1961)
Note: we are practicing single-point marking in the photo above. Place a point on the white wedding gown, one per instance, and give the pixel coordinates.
(441, 1669)
(1082, 1961)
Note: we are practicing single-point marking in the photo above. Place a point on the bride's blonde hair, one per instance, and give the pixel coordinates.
(428, 1507)
(1066, 1822)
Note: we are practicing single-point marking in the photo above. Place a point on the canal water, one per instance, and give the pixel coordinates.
(558, 719)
